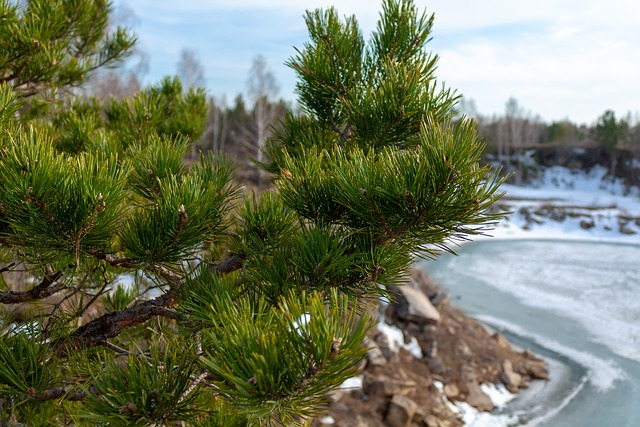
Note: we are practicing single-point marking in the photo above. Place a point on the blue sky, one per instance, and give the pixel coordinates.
(559, 58)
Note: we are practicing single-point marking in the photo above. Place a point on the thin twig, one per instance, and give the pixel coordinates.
(49, 286)
(192, 386)
(7, 268)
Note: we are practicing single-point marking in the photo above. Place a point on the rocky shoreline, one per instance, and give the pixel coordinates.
(452, 358)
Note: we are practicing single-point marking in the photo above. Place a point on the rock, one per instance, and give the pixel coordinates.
(374, 355)
(536, 368)
(382, 341)
(500, 340)
(436, 365)
(440, 298)
(451, 391)
(401, 411)
(433, 421)
(412, 330)
(463, 350)
(557, 214)
(360, 422)
(512, 380)
(384, 386)
(432, 350)
(478, 398)
(413, 306)
(624, 229)
(586, 224)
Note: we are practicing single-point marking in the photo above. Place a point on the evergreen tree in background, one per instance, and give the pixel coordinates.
(139, 291)
(611, 133)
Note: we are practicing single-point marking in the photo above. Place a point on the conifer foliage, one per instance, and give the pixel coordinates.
(137, 290)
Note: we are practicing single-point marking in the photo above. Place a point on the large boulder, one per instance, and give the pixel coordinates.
(413, 305)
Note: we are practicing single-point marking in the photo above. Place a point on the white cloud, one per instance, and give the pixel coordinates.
(559, 58)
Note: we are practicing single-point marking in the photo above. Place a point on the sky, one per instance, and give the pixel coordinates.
(560, 59)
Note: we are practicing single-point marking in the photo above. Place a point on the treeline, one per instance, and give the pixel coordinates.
(238, 128)
(520, 140)
(517, 139)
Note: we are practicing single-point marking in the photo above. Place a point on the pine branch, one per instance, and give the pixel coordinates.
(46, 288)
(96, 332)
(7, 268)
(119, 350)
(232, 263)
(196, 381)
(95, 297)
(114, 260)
(60, 392)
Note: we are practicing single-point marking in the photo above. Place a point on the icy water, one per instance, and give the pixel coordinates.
(573, 302)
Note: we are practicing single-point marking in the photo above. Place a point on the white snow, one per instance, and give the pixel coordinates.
(353, 383)
(498, 393)
(395, 339)
(583, 196)
(328, 420)
(474, 418)
(500, 396)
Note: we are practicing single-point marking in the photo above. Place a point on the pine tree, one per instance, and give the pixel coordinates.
(137, 290)
(611, 133)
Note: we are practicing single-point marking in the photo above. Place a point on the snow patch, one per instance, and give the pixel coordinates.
(328, 420)
(471, 417)
(582, 197)
(474, 418)
(353, 383)
(395, 339)
(498, 394)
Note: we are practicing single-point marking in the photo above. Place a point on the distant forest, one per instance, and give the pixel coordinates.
(517, 139)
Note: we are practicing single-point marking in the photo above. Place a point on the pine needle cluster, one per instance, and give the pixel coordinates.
(138, 290)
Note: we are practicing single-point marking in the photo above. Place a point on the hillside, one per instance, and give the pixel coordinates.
(574, 203)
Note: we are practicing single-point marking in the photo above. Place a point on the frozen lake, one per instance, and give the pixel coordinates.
(578, 302)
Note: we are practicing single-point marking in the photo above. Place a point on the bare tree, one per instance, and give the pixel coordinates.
(112, 84)
(467, 107)
(215, 134)
(190, 70)
(262, 89)
(502, 137)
